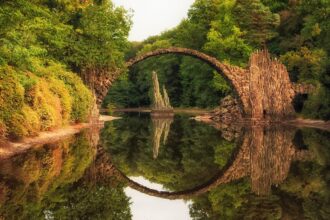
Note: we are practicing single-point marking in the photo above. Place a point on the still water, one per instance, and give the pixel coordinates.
(147, 168)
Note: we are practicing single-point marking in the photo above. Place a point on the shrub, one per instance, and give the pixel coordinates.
(58, 88)
(3, 129)
(82, 97)
(32, 120)
(318, 104)
(46, 99)
(11, 93)
(16, 126)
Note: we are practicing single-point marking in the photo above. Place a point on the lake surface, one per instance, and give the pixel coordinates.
(145, 168)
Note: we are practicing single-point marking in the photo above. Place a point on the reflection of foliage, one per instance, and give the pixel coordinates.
(188, 158)
(304, 194)
(90, 202)
(39, 173)
(222, 202)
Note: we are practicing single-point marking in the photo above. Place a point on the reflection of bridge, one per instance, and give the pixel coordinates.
(264, 154)
(263, 89)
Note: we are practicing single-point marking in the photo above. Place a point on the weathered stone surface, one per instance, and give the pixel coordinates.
(100, 80)
(270, 89)
(160, 101)
(263, 90)
(228, 111)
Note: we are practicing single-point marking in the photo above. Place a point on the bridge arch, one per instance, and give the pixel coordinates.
(263, 89)
(230, 73)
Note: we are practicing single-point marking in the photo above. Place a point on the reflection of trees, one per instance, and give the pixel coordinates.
(194, 152)
(265, 154)
(269, 156)
(47, 180)
(302, 190)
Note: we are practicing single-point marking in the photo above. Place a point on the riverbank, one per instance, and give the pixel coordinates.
(193, 111)
(298, 122)
(8, 148)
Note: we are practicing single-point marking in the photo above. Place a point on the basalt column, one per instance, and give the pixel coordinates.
(270, 90)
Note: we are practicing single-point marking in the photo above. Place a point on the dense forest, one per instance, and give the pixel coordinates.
(46, 47)
(294, 31)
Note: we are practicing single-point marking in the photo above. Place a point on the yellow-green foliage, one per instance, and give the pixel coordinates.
(39, 172)
(59, 89)
(2, 129)
(46, 99)
(81, 97)
(11, 92)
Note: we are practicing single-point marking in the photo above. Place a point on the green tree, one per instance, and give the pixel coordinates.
(257, 21)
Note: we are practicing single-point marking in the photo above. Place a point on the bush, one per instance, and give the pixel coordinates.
(16, 126)
(47, 99)
(32, 120)
(58, 88)
(11, 93)
(81, 96)
(318, 104)
(3, 130)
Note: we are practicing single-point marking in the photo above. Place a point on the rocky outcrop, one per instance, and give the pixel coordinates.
(100, 80)
(160, 101)
(228, 111)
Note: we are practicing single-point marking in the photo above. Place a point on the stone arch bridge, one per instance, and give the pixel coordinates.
(263, 88)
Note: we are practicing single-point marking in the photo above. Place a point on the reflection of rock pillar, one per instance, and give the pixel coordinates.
(271, 154)
(161, 127)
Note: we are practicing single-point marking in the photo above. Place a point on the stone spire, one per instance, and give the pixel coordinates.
(159, 101)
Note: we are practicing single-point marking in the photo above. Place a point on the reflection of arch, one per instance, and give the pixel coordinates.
(264, 154)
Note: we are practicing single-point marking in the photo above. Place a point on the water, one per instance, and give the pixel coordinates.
(143, 168)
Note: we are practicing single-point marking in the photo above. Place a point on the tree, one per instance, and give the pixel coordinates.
(257, 21)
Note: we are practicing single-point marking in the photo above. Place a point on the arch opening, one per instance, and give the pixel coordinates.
(225, 70)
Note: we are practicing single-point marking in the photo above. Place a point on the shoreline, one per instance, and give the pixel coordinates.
(298, 122)
(148, 110)
(9, 148)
